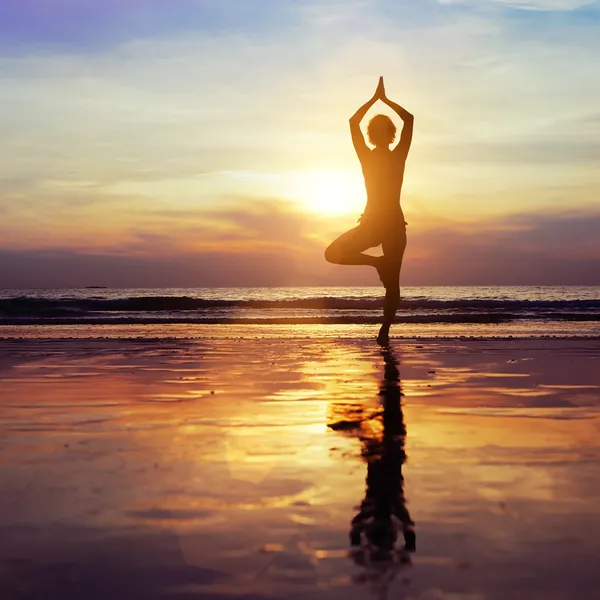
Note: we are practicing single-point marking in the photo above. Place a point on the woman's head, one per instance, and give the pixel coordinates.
(381, 131)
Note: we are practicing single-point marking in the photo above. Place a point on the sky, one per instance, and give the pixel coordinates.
(197, 143)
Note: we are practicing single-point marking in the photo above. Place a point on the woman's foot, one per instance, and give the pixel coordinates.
(383, 338)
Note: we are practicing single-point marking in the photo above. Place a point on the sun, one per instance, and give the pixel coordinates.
(328, 192)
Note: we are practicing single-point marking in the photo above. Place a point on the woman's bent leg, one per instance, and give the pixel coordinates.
(349, 247)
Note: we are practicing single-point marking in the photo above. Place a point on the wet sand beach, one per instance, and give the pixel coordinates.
(288, 468)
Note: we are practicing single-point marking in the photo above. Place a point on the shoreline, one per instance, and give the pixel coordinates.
(515, 330)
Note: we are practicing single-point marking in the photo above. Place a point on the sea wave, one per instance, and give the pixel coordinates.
(266, 320)
(27, 305)
(326, 309)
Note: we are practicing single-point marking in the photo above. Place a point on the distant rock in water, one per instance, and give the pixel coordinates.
(96, 287)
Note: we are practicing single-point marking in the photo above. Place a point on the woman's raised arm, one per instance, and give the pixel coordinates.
(357, 137)
(407, 131)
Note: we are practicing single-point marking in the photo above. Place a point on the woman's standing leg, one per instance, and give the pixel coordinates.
(393, 246)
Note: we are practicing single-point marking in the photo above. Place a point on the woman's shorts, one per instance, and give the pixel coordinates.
(390, 233)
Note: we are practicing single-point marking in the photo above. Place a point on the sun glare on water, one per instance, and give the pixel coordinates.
(328, 192)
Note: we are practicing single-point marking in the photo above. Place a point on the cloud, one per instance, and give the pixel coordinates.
(98, 24)
(158, 107)
(520, 249)
(549, 151)
(109, 149)
(246, 241)
(67, 269)
(546, 5)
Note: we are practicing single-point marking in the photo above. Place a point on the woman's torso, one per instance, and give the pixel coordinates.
(384, 174)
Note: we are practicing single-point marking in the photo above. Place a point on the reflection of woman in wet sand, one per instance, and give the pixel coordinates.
(383, 514)
(383, 511)
(382, 221)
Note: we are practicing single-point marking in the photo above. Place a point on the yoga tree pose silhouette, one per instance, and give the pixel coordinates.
(383, 220)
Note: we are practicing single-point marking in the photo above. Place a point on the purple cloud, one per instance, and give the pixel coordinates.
(520, 250)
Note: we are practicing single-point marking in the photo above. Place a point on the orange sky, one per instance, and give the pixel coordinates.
(206, 144)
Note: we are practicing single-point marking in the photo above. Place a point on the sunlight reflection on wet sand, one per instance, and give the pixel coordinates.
(222, 468)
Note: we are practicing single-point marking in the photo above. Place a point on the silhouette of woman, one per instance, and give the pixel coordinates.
(382, 221)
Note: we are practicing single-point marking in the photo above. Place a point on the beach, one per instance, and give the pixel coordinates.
(299, 300)
(235, 466)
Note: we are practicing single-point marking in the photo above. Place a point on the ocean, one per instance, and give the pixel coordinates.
(526, 311)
